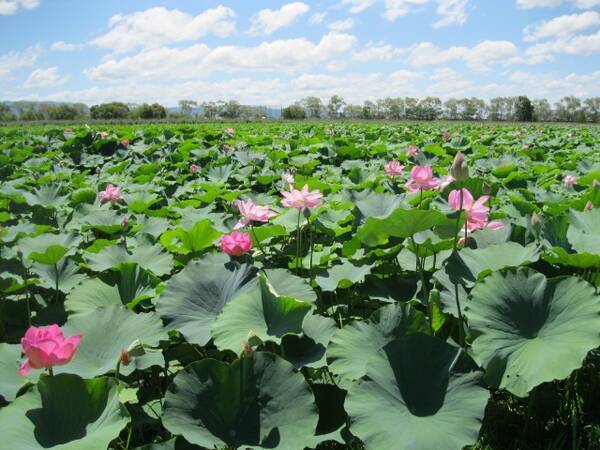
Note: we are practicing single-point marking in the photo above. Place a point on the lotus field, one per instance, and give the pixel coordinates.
(291, 286)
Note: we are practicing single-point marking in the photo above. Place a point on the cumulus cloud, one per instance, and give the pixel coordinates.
(581, 4)
(62, 46)
(452, 12)
(10, 7)
(562, 26)
(159, 26)
(15, 60)
(574, 45)
(374, 52)
(357, 6)
(399, 8)
(288, 55)
(342, 25)
(317, 18)
(45, 78)
(267, 21)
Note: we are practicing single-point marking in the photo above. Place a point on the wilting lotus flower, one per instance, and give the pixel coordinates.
(124, 143)
(252, 212)
(569, 180)
(230, 131)
(477, 212)
(446, 135)
(422, 179)
(288, 177)
(412, 151)
(302, 199)
(110, 194)
(237, 243)
(460, 168)
(393, 169)
(45, 347)
(193, 168)
(102, 134)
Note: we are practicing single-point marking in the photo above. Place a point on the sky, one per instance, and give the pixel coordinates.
(276, 52)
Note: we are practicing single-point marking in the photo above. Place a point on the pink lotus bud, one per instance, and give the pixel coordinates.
(230, 131)
(45, 347)
(525, 146)
(596, 184)
(589, 205)
(535, 218)
(237, 243)
(125, 222)
(124, 143)
(412, 151)
(569, 180)
(228, 148)
(446, 136)
(460, 168)
(193, 168)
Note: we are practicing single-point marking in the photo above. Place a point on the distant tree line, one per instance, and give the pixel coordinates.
(567, 109)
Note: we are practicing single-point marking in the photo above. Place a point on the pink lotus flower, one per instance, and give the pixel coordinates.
(110, 194)
(124, 143)
(446, 135)
(525, 146)
(393, 169)
(477, 212)
(228, 148)
(252, 212)
(193, 168)
(569, 180)
(302, 199)
(288, 177)
(230, 131)
(589, 205)
(45, 347)
(412, 151)
(125, 222)
(448, 180)
(422, 179)
(237, 243)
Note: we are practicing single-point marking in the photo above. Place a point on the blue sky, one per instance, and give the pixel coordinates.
(275, 52)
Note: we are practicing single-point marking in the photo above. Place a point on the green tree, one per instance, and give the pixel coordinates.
(187, 106)
(6, 113)
(293, 112)
(592, 109)
(63, 112)
(231, 109)
(112, 110)
(542, 111)
(146, 111)
(524, 109)
(314, 106)
(335, 106)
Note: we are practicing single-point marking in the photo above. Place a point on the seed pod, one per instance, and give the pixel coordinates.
(460, 168)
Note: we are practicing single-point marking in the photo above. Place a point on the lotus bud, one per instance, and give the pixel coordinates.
(485, 188)
(589, 205)
(535, 218)
(596, 185)
(125, 222)
(125, 357)
(248, 350)
(136, 348)
(459, 169)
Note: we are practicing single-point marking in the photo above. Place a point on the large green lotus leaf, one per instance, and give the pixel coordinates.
(411, 398)
(529, 330)
(401, 223)
(352, 346)
(195, 296)
(10, 381)
(260, 311)
(146, 256)
(65, 274)
(106, 332)
(471, 264)
(258, 401)
(64, 412)
(104, 220)
(49, 248)
(342, 275)
(46, 196)
(286, 283)
(308, 349)
(559, 255)
(202, 235)
(584, 231)
(377, 205)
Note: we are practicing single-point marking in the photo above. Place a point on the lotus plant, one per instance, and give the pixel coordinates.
(236, 244)
(46, 347)
(477, 212)
(412, 151)
(111, 194)
(393, 169)
(569, 180)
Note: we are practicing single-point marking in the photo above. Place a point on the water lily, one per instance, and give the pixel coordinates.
(477, 212)
(237, 243)
(193, 168)
(45, 347)
(393, 169)
(252, 212)
(422, 179)
(301, 199)
(111, 194)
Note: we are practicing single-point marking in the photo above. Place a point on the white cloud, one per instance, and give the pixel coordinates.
(555, 87)
(586, 4)
(452, 12)
(574, 45)
(581, 4)
(45, 78)
(562, 26)
(62, 46)
(382, 52)
(9, 7)
(398, 8)
(477, 58)
(159, 26)
(11, 61)
(357, 6)
(317, 18)
(289, 55)
(342, 25)
(267, 21)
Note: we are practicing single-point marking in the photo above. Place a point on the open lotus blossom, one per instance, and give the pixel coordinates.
(45, 347)
(477, 212)
(393, 169)
(569, 180)
(193, 168)
(422, 179)
(237, 243)
(288, 177)
(110, 194)
(252, 212)
(446, 135)
(302, 199)
(124, 143)
(230, 131)
(412, 151)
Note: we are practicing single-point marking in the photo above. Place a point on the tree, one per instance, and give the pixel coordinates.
(231, 109)
(429, 108)
(146, 111)
(542, 111)
(63, 112)
(293, 112)
(451, 109)
(369, 110)
(524, 109)
(592, 109)
(6, 113)
(187, 106)
(411, 106)
(335, 106)
(568, 109)
(314, 106)
(113, 110)
(394, 108)
(210, 109)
